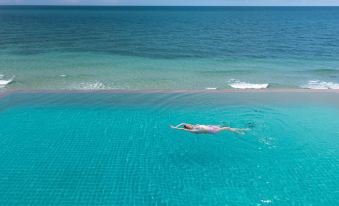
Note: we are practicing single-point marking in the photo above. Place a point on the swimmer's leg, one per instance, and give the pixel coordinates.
(235, 130)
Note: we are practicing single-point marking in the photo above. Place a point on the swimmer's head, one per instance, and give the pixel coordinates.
(188, 126)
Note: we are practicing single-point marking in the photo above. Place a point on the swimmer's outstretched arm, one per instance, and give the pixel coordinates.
(177, 127)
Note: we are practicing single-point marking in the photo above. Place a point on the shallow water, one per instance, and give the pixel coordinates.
(117, 149)
(168, 47)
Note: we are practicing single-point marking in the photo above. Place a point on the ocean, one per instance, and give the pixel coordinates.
(88, 94)
(46, 47)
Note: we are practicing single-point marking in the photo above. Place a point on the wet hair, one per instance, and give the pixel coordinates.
(187, 126)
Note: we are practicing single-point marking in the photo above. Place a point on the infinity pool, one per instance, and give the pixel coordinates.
(118, 149)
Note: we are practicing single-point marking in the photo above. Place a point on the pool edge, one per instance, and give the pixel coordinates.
(128, 91)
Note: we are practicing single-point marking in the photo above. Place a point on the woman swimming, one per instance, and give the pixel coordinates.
(207, 129)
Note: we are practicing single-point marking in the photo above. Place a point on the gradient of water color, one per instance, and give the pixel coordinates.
(169, 47)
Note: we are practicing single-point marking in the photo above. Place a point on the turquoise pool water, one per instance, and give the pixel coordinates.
(117, 149)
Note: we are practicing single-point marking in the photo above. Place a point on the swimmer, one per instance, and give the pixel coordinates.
(207, 129)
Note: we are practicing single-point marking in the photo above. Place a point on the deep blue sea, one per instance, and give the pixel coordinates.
(169, 47)
(118, 149)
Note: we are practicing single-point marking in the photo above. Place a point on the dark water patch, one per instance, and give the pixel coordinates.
(174, 32)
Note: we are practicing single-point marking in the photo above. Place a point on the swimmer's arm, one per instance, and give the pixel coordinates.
(177, 127)
(195, 131)
(182, 129)
(173, 127)
(189, 130)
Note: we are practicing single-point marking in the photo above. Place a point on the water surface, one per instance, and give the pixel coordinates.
(169, 47)
(117, 149)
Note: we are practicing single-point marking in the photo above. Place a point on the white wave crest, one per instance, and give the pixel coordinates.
(210, 88)
(244, 85)
(317, 84)
(4, 82)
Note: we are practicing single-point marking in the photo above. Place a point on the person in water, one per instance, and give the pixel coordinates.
(207, 129)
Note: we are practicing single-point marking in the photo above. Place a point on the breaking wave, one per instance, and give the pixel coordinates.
(317, 84)
(245, 85)
(4, 82)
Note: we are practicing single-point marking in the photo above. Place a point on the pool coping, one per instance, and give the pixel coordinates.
(150, 91)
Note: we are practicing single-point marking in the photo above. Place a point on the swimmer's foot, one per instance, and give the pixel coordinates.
(241, 131)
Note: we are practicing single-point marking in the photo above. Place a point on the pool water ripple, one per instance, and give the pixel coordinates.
(118, 149)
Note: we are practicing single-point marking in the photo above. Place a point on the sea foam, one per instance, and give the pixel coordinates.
(4, 82)
(245, 85)
(89, 86)
(317, 84)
